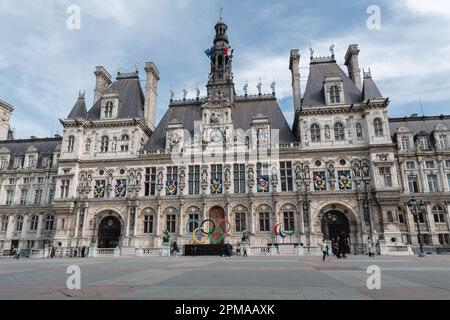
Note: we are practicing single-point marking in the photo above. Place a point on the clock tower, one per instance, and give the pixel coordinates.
(217, 123)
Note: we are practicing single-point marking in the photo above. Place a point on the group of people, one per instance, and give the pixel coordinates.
(341, 246)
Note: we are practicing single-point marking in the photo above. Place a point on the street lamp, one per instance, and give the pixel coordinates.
(418, 208)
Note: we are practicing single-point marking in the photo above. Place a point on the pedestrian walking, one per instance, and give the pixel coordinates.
(324, 249)
(245, 252)
(83, 251)
(370, 248)
(17, 253)
(175, 248)
(342, 243)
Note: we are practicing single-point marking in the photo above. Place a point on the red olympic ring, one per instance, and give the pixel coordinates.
(225, 222)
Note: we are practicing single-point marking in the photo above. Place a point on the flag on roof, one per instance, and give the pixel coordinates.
(209, 52)
(227, 52)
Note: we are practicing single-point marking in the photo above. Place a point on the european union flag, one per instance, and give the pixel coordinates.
(209, 52)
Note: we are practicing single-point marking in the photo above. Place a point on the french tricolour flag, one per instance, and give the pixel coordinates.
(227, 51)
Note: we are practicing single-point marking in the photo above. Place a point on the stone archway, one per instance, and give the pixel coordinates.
(216, 213)
(109, 232)
(335, 224)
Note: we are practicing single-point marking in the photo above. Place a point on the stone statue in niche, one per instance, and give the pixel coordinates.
(356, 170)
(227, 175)
(160, 178)
(215, 118)
(274, 174)
(327, 132)
(331, 171)
(204, 177)
(365, 169)
(298, 173)
(250, 175)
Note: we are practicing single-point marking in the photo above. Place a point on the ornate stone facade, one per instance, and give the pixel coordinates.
(116, 179)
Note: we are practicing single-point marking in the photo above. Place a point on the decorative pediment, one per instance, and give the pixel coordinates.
(441, 128)
(404, 130)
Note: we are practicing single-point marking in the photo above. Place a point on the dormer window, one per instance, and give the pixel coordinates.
(335, 94)
(104, 144)
(108, 110)
(124, 143)
(70, 143)
(339, 134)
(378, 127)
(315, 133)
(423, 143)
(443, 141)
(404, 143)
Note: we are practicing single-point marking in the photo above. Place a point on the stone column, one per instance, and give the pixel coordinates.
(251, 217)
(362, 232)
(158, 219)
(39, 227)
(422, 179)
(10, 228)
(429, 219)
(180, 220)
(402, 176)
(77, 220)
(444, 184)
(300, 221)
(24, 227)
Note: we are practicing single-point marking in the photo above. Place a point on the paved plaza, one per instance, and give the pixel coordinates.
(227, 278)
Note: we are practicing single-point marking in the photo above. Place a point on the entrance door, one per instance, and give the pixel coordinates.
(337, 224)
(109, 232)
(217, 214)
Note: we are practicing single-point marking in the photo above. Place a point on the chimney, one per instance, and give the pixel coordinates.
(352, 63)
(102, 82)
(151, 94)
(294, 66)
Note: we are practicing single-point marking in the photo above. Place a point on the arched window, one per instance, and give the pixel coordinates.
(88, 145)
(104, 144)
(339, 134)
(19, 223)
(70, 143)
(49, 220)
(4, 224)
(124, 143)
(438, 213)
(335, 94)
(315, 133)
(378, 127)
(34, 223)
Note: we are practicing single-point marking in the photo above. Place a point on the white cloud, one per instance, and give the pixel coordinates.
(429, 7)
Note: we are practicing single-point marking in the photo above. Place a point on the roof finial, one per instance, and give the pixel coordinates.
(184, 93)
(246, 88)
(220, 13)
(172, 93)
(137, 66)
(259, 86)
(311, 51)
(272, 86)
(81, 94)
(332, 50)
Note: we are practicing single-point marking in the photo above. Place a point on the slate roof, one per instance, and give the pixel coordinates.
(79, 109)
(419, 124)
(20, 147)
(370, 89)
(242, 113)
(314, 93)
(131, 98)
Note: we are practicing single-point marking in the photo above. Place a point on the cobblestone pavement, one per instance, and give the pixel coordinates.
(227, 278)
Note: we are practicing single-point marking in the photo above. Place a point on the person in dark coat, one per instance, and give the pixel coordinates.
(175, 248)
(83, 251)
(342, 243)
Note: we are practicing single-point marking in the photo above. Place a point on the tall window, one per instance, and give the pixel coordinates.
(288, 220)
(264, 221)
(124, 143)
(34, 222)
(49, 221)
(432, 182)
(193, 223)
(315, 133)
(423, 143)
(23, 196)
(339, 133)
(443, 141)
(429, 164)
(150, 182)
(216, 171)
(410, 165)
(448, 180)
(9, 197)
(64, 188)
(386, 177)
(438, 213)
(108, 110)
(172, 174)
(148, 224)
(4, 223)
(70, 143)
(51, 195)
(194, 179)
(38, 197)
(335, 94)
(413, 185)
(170, 223)
(3, 162)
(404, 143)
(240, 221)
(19, 223)
(262, 172)
(421, 217)
(104, 144)
(239, 178)
(286, 176)
(378, 127)
(88, 145)
(443, 238)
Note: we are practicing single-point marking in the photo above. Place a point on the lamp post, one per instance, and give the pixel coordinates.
(93, 223)
(416, 209)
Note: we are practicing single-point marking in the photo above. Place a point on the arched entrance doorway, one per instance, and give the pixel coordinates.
(216, 214)
(333, 224)
(109, 232)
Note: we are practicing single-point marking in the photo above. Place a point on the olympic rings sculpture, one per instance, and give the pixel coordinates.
(279, 232)
(214, 231)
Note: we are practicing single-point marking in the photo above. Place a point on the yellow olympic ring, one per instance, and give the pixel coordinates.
(195, 239)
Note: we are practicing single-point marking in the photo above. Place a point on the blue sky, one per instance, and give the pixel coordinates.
(43, 64)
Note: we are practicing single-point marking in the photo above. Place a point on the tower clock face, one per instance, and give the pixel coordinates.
(216, 136)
